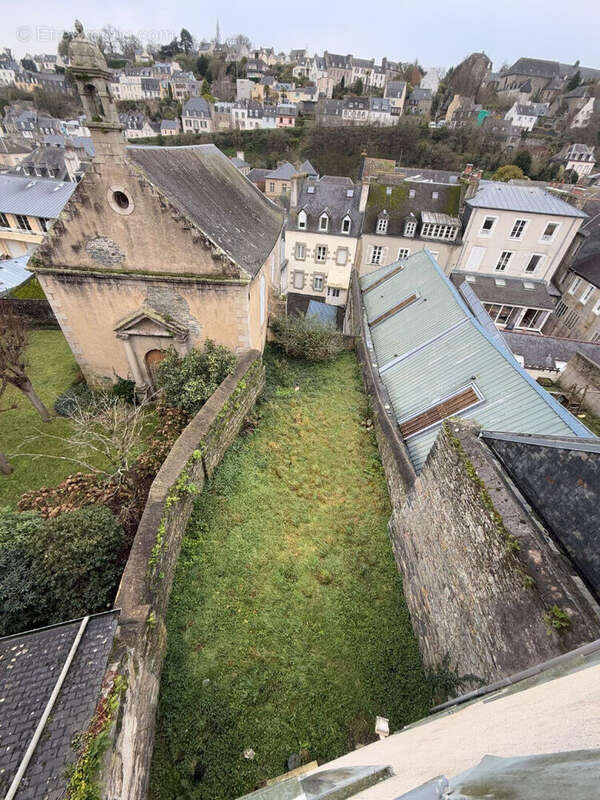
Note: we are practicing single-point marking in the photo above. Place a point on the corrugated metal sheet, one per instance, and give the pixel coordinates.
(38, 197)
(440, 348)
(532, 199)
(13, 272)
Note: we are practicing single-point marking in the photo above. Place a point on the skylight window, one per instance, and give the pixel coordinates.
(407, 301)
(310, 189)
(459, 401)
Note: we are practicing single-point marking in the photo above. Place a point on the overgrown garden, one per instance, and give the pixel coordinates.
(287, 630)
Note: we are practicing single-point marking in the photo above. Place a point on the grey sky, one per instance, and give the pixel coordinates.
(438, 33)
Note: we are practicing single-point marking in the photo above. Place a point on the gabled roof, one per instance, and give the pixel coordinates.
(205, 186)
(535, 67)
(284, 171)
(395, 88)
(196, 107)
(588, 268)
(308, 168)
(38, 197)
(508, 289)
(13, 272)
(434, 347)
(330, 195)
(546, 352)
(533, 200)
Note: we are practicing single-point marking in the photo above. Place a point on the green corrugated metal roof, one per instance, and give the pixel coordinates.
(435, 347)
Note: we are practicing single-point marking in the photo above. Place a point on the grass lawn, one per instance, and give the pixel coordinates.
(287, 626)
(52, 369)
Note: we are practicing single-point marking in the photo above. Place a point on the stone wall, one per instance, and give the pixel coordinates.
(146, 584)
(582, 371)
(37, 313)
(480, 578)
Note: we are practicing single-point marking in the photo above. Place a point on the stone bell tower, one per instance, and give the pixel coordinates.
(92, 77)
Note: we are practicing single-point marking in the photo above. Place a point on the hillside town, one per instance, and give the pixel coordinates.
(299, 419)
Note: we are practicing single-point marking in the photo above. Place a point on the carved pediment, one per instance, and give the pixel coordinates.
(148, 322)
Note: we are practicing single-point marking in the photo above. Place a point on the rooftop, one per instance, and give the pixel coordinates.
(13, 272)
(31, 666)
(284, 171)
(436, 359)
(229, 210)
(38, 197)
(507, 289)
(508, 197)
(548, 352)
(589, 268)
(336, 196)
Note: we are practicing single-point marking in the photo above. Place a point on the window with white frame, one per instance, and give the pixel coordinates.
(533, 262)
(596, 308)
(346, 223)
(574, 285)
(434, 230)
(382, 225)
(300, 251)
(560, 309)
(487, 226)
(271, 187)
(434, 195)
(571, 319)
(323, 222)
(318, 283)
(341, 256)
(302, 220)
(549, 231)
(404, 252)
(586, 294)
(44, 223)
(298, 279)
(332, 292)
(533, 318)
(502, 263)
(411, 193)
(3, 221)
(376, 254)
(321, 253)
(410, 228)
(518, 228)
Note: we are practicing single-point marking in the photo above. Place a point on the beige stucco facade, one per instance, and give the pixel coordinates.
(394, 247)
(483, 248)
(15, 239)
(329, 278)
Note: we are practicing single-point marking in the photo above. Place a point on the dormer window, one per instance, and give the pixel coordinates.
(302, 221)
(410, 227)
(382, 224)
(323, 222)
(346, 223)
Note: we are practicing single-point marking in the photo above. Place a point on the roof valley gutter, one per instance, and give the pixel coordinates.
(47, 711)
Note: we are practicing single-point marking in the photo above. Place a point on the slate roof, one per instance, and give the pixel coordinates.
(589, 268)
(284, 171)
(205, 186)
(543, 352)
(307, 167)
(30, 664)
(330, 195)
(257, 175)
(436, 346)
(508, 197)
(58, 140)
(535, 67)
(490, 289)
(420, 94)
(399, 204)
(196, 107)
(38, 197)
(238, 162)
(395, 88)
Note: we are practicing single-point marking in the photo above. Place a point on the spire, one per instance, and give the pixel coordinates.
(218, 39)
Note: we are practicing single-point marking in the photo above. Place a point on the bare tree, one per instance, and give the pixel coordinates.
(14, 339)
(5, 466)
(105, 438)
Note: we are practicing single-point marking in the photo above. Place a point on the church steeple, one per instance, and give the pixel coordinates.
(218, 38)
(92, 78)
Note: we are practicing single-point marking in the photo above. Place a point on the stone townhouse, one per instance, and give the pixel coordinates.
(136, 125)
(395, 91)
(419, 102)
(321, 240)
(196, 116)
(577, 157)
(515, 238)
(577, 314)
(159, 247)
(525, 116)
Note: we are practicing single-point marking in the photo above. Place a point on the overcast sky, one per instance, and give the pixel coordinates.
(437, 33)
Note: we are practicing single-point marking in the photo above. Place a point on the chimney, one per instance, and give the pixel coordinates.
(295, 190)
(468, 169)
(364, 196)
(240, 155)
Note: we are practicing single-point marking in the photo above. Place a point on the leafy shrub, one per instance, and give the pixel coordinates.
(56, 569)
(307, 337)
(30, 290)
(124, 389)
(190, 380)
(77, 396)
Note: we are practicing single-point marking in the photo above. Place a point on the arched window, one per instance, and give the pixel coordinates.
(302, 221)
(94, 102)
(323, 222)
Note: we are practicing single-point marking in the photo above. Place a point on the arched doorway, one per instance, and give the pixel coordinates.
(152, 359)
